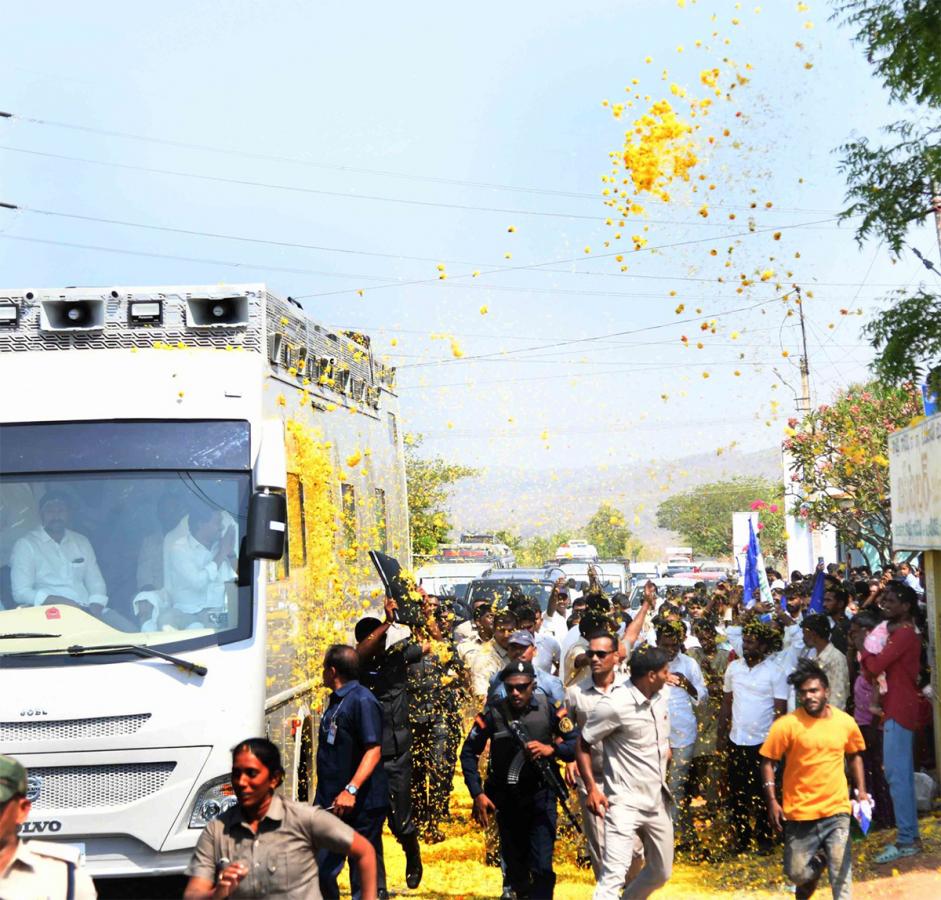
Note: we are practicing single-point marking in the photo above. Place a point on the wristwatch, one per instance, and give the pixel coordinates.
(351, 789)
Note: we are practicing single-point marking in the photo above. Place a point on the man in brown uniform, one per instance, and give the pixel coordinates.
(37, 868)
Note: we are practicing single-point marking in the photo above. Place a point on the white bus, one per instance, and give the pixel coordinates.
(155, 443)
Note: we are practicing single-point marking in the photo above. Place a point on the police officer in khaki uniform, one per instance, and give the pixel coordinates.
(37, 870)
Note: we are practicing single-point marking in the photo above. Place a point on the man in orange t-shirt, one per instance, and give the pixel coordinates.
(815, 818)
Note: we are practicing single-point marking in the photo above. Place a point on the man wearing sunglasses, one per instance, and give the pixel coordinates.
(632, 727)
(524, 807)
(581, 698)
(522, 647)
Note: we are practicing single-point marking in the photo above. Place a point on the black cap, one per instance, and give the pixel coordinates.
(518, 668)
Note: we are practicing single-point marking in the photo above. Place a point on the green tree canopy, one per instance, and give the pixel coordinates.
(840, 456)
(429, 480)
(892, 185)
(537, 549)
(703, 515)
(607, 530)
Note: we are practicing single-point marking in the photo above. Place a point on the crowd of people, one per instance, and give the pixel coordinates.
(703, 722)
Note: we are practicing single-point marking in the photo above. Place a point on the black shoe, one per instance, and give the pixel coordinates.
(382, 894)
(413, 866)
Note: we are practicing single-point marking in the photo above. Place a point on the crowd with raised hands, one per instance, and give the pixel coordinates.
(838, 656)
(702, 722)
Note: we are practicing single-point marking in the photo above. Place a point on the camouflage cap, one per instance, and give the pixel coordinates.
(12, 778)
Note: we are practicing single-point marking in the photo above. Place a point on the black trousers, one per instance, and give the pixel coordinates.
(746, 799)
(399, 774)
(369, 824)
(527, 825)
(432, 772)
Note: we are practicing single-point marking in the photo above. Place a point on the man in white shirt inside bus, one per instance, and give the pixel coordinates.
(53, 565)
(199, 559)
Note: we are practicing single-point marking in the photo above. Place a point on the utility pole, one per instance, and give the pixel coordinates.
(803, 402)
(800, 542)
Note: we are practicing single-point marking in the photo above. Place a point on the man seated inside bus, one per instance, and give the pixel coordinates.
(55, 566)
(170, 511)
(199, 561)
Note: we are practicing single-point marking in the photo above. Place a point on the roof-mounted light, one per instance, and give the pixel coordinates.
(9, 314)
(72, 315)
(217, 312)
(144, 312)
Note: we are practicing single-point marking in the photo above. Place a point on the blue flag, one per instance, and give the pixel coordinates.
(752, 557)
(816, 598)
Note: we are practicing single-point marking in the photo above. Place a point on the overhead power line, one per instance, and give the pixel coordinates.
(192, 232)
(347, 195)
(334, 167)
(630, 370)
(568, 343)
(556, 262)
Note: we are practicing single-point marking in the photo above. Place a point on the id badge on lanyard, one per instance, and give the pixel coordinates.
(332, 726)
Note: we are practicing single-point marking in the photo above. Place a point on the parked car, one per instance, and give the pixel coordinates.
(711, 571)
(576, 549)
(451, 579)
(613, 576)
(499, 585)
(663, 585)
(642, 570)
(679, 567)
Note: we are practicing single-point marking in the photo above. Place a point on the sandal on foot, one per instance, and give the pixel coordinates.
(893, 852)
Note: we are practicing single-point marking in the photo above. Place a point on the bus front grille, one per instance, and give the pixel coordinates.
(76, 787)
(70, 729)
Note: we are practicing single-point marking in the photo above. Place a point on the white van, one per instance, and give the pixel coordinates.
(642, 570)
(576, 549)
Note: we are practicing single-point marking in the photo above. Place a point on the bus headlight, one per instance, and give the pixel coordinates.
(213, 799)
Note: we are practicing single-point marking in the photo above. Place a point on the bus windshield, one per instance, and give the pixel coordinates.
(119, 557)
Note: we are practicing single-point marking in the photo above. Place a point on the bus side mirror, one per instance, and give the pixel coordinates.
(267, 525)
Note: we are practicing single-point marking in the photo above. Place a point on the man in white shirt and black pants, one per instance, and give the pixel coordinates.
(756, 692)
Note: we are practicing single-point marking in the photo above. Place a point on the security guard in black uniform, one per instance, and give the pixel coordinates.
(525, 807)
(384, 671)
(433, 697)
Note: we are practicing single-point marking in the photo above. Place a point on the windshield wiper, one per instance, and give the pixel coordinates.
(107, 649)
(26, 634)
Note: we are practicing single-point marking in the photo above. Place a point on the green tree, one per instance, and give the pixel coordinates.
(703, 515)
(607, 530)
(511, 539)
(539, 548)
(840, 456)
(429, 481)
(893, 185)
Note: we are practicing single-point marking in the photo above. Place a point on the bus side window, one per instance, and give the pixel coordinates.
(296, 550)
(381, 526)
(348, 512)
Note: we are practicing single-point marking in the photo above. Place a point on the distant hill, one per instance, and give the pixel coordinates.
(540, 502)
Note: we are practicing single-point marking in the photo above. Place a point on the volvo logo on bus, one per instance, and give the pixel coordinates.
(40, 826)
(33, 787)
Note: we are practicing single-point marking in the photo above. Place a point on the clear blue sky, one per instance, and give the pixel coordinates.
(437, 102)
